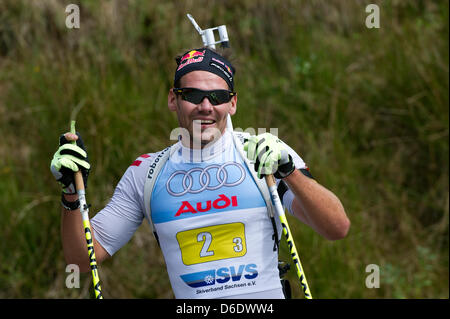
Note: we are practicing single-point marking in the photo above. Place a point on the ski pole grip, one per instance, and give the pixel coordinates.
(79, 183)
(270, 180)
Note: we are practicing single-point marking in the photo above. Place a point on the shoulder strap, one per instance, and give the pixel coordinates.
(153, 171)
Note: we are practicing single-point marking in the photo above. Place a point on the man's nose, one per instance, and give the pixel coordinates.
(205, 105)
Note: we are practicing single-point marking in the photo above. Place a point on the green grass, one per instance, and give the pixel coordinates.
(367, 109)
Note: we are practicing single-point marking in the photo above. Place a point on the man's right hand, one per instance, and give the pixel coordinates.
(70, 158)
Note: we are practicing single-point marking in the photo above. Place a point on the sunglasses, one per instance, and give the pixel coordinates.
(196, 96)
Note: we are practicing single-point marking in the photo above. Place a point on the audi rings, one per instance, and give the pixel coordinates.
(204, 178)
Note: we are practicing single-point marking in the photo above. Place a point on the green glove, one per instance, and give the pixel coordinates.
(270, 156)
(69, 158)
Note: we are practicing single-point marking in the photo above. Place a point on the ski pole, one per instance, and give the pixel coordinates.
(84, 209)
(270, 180)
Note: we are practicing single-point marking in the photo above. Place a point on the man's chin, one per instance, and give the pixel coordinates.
(208, 137)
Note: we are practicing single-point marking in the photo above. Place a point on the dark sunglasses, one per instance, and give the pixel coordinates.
(196, 96)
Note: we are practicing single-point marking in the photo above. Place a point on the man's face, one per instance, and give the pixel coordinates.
(210, 120)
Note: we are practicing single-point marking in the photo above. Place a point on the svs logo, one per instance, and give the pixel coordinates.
(220, 276)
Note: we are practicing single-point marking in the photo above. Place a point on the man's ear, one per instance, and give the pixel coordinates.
(172, 101)
(233, 101)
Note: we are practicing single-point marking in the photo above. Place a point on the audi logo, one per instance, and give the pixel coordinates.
(206, 178)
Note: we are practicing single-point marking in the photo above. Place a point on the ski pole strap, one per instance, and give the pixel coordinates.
(69, 205)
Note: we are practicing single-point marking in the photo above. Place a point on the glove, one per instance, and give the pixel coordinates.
(69, 158)
(270, 156)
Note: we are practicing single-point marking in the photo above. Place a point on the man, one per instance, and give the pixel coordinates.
(205, 205)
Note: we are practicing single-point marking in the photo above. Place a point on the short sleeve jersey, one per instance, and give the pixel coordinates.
(210, 218)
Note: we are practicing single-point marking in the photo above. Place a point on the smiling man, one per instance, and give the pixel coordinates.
(208, 117)
(204, 196)
(200, 74)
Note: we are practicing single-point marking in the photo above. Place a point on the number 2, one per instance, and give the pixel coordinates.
(207, 238)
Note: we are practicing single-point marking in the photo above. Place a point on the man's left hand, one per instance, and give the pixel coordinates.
(269, 155)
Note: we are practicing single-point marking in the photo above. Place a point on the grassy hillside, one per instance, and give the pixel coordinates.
(367, 109)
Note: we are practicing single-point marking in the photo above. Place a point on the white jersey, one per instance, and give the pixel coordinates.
(210, 218)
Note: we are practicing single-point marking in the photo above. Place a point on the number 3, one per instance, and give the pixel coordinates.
(238, 242)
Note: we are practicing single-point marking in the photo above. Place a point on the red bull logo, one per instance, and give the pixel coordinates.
(193, 56)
